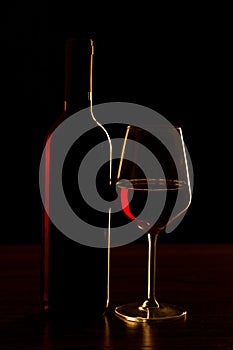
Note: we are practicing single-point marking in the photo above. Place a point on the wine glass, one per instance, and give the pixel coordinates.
(155, 192)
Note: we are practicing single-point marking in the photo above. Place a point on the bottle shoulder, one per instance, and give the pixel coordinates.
(64, 115)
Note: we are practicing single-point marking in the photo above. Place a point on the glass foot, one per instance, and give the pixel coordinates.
(135, 312)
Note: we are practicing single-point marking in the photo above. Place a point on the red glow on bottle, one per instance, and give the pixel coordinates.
(46, 221)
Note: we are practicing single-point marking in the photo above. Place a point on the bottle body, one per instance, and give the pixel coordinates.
(74, 277)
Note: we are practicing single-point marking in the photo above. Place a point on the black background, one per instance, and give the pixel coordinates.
(171, 59)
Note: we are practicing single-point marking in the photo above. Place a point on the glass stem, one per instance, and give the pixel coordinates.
(151, 299)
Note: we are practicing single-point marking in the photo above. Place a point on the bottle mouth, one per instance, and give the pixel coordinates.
(74, 45)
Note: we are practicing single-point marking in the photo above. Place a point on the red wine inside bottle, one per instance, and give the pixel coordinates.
(74, 277)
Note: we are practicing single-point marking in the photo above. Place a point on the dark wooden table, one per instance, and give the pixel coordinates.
(196, 276)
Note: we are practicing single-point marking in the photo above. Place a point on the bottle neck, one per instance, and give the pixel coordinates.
(78, 74)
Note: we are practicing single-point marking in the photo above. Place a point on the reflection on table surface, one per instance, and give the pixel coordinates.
(196, 276)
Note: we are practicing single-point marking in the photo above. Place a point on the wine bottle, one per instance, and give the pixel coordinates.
(74, 276)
